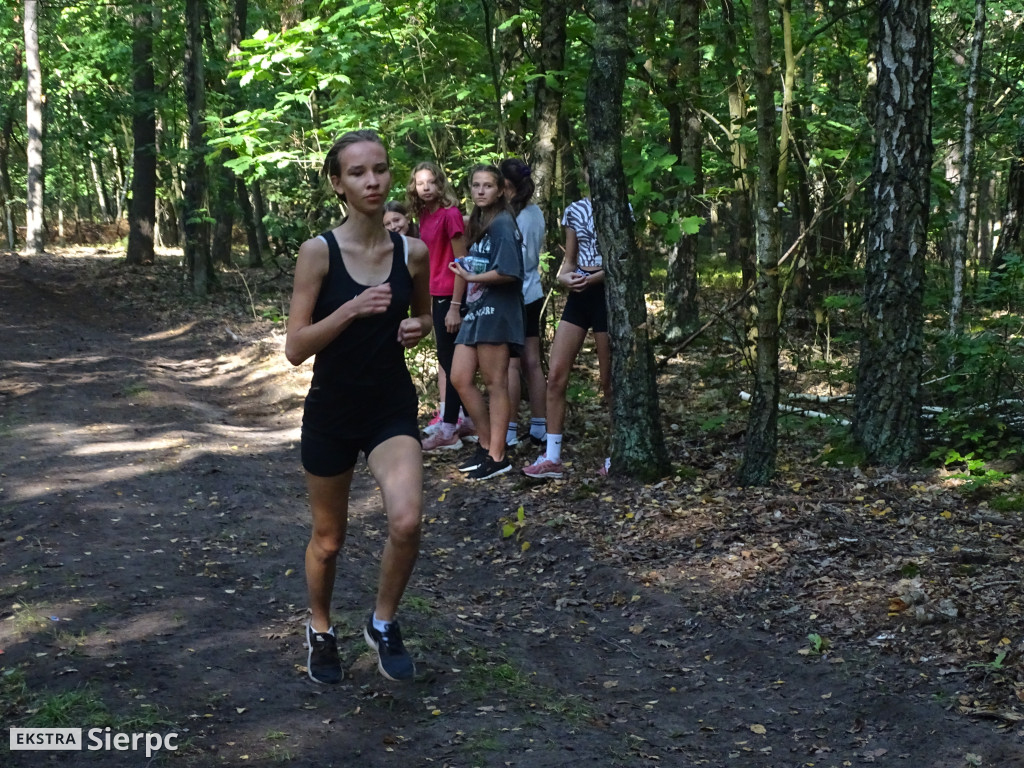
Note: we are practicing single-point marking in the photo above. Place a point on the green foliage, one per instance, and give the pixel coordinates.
(515, 528)
(70, 709)
(996, 665)
(817, 644)
(842, 451)
(1010, 502)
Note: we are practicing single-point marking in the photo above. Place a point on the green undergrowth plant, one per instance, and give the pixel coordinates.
(979, 416)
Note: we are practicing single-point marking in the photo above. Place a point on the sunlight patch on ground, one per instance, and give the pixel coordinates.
(128, 446)
(170, 333)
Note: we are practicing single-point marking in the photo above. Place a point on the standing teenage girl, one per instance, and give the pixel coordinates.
(582, 273)
(433, 201)
(519, 188)
(350, 308)
(492, 330)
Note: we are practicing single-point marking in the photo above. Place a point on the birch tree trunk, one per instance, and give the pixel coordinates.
(887, 414)
(758, 466)
(638, 443)
(35, 235)
(959, 249)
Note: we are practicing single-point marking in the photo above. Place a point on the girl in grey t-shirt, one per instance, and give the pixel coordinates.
(492, 328)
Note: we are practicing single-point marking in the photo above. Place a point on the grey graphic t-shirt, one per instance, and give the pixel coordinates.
(494, 313)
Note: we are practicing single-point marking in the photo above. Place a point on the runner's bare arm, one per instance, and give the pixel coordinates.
(414, 328)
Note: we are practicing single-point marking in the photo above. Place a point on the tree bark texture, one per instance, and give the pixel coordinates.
(686, 134)
(548, 99)
(959, 249)
(638, 444)
(197, 246)
(35, 235)
(739, 248)
(6, 139)
(249, 220)
(887, 412)
(142, 211)
(1013, 209)
(759, 453)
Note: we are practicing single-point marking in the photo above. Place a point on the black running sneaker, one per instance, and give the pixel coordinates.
(393, 661)
(322, 662)
(490, 468)
(478, 458)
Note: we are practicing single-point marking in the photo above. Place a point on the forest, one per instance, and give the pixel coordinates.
(852, 171)
(807, 549)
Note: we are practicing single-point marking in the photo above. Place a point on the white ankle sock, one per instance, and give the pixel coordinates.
(554, 451)
(513, 432)
(538, 428)
(379, 625)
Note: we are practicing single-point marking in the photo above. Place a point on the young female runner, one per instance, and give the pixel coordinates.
(350, 308)
(434, 203)
(493, 327)
(519, 188)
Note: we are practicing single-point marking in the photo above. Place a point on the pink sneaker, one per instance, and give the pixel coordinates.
(542, 468)
(435, 424)
(438, 442)
(467, 430)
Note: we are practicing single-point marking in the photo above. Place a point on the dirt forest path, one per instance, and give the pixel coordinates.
(152, 528)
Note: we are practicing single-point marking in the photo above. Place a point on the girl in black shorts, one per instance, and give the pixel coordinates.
(582, 273)
(492, 329)
(350, 307)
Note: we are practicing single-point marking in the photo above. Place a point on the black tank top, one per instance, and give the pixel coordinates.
(365, 363)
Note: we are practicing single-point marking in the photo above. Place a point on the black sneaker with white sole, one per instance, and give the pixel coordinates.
(478, 458)
(322, 661)
(393, 661)
(490, 468)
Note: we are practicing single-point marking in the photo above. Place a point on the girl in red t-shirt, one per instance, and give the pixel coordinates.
(433, 202)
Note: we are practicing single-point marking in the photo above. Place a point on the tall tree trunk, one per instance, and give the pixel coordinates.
(492, 55)
(96, 166)
(638, 444)
(788, 88)
(222, 201)
(6, 137)
(739, 248)
(510, 47)
(249, 220)
(548, 98)
(197, 245)
(259, 214)
(142, 209)
(983, 228)
(887, 412)
(959, 250)
(686, 135)
(35, 235)
(759, 454)
(1013, 209)
(222, 179)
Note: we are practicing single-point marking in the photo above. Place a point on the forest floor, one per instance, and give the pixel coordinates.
(153, 522)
